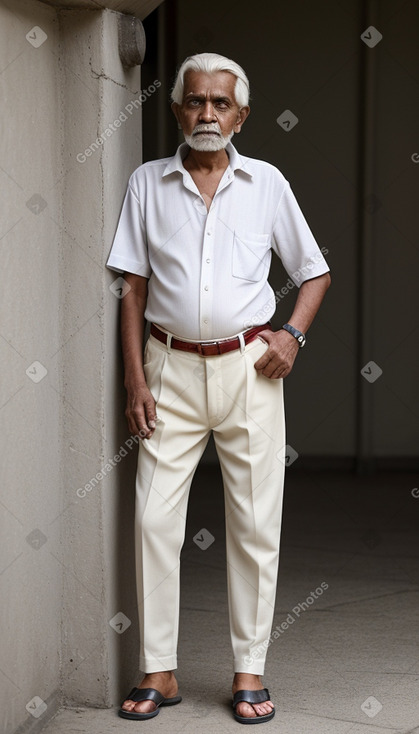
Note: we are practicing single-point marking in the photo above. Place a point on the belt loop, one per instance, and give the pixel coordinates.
(168, 343)
(242, 342)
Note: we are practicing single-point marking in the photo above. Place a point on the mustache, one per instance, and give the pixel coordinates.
(207, 128)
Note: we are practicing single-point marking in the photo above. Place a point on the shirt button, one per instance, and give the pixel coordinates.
(209, 233)
(206, 288)
(205, 321)
(208, 260)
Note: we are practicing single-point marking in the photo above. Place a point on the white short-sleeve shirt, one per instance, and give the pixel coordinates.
(208, 270)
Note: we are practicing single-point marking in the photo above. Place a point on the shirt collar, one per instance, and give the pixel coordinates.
(237, 162)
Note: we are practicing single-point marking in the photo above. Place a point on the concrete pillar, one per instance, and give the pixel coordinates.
(101, 147)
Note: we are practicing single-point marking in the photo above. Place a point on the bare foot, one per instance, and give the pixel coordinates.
(165, 682)
(249, 682)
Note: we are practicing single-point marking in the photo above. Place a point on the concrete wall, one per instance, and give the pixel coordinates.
(31, 400)
(64, 573)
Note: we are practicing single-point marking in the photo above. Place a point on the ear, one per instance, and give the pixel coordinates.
(242, 115)
(175, 110)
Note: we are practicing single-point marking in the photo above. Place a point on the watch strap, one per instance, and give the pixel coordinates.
(298, 335)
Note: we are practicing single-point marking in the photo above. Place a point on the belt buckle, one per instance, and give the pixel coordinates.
(201, 348)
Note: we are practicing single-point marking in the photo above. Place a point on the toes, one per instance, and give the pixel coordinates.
(260, 710)
(263, 708)
(128, 705)
(245, 709)
(144, 707)
(250, 711)
(141, 707)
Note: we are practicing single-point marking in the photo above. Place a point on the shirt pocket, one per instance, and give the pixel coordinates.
(251, 255)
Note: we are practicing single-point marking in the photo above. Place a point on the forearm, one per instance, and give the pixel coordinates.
(141, 407)
(133, 307)
(282, 350)
(310, 296)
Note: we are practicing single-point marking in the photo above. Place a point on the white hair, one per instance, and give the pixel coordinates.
(211, 63)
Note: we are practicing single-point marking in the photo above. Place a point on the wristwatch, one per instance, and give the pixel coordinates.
(298, 335)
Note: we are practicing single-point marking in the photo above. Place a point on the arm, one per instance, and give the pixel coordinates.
(279, 358)
(141, 407)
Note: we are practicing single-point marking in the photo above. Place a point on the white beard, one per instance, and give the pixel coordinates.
(209, 143)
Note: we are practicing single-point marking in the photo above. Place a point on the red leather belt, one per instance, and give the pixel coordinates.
(209, 348)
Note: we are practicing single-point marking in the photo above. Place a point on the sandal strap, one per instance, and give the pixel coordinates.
(251, 696)
(146, 694)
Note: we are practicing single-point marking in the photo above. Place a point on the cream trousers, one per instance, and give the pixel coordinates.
(196, 395)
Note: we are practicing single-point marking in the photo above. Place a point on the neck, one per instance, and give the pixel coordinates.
(206, 160)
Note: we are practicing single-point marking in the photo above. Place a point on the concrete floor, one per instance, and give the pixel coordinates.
(349, 664)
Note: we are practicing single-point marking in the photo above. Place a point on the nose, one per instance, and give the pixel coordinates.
(207, 112)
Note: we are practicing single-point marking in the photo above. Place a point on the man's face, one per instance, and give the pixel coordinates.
(209, 114)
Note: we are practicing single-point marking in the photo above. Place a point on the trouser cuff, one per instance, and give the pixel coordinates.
(246, 664)
(156, 665)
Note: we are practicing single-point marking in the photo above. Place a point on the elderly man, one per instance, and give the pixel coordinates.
(194, 241)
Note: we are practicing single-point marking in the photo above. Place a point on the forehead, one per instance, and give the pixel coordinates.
(218, 84)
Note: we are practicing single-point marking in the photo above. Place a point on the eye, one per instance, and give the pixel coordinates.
(222, 104)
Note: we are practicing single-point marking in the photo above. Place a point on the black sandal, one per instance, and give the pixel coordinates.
(252, 697)
(147, 694)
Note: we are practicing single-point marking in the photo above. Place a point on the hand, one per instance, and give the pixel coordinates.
(141, 411)
(278, 360)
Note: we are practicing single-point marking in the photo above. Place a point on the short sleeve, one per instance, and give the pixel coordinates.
(294, 242)
(129, 249)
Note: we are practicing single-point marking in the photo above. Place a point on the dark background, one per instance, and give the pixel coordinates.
(349, 162)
